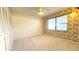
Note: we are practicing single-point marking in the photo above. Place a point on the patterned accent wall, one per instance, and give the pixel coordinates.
(73, 28)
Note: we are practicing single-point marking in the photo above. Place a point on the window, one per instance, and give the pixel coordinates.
(59, 23)
(62, 23)
(51, 24)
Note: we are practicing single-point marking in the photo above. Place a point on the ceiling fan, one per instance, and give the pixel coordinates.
(41, 11)
(77, 7)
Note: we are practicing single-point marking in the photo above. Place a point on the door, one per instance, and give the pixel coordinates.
(6, 29)
(2, 37)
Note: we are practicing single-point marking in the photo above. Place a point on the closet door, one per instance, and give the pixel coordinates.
(6, 28)
(2, 36)
(9, 29)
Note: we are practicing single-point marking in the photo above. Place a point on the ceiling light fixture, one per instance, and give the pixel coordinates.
(40, 11)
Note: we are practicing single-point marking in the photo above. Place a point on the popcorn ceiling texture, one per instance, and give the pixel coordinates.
(73, 27)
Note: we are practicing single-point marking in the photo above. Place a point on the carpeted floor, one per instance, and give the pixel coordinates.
(44, 43)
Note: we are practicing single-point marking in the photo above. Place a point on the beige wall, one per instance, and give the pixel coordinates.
(26, 25)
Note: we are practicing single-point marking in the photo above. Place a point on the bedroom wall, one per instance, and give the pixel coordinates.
(73, 28)
(26, 25)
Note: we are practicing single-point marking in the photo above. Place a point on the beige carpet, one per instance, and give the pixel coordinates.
(44, 43)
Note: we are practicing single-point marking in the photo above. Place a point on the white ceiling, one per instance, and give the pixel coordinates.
(34, 10)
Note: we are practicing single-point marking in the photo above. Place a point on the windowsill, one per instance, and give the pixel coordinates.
(57, 30)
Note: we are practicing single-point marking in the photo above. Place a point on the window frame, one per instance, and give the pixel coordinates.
(47, 24)
(56, 24)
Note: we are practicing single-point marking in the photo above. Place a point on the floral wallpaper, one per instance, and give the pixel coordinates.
(73, 27)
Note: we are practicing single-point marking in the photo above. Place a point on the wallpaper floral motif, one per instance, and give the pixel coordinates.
(73, 28)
